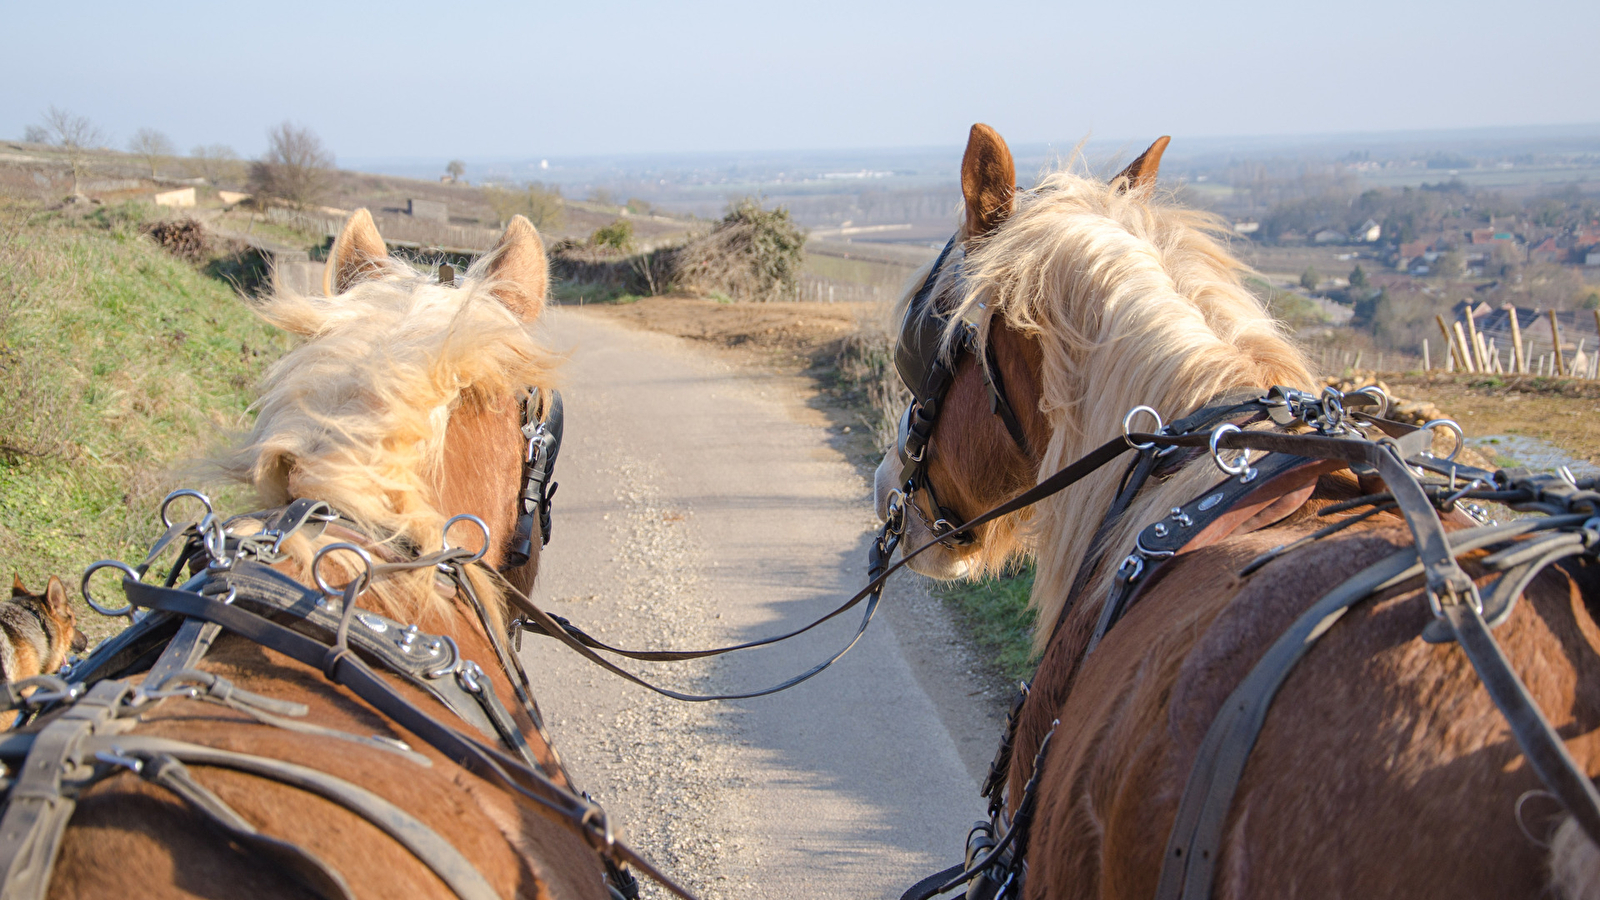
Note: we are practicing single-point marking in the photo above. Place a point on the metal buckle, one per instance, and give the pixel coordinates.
(1436, 605)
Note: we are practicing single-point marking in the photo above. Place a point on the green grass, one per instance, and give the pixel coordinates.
(996, 613)
(573, 293)
(119, 365)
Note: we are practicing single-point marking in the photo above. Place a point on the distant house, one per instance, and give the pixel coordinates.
(1329, 236)
(1547, 252)
(1369, 232)
(1592, 258)
(432, 210)
(182, 197)
(1413, 249)
(1490, 236)
(1246, 227)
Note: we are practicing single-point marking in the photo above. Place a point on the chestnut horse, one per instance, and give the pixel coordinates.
(401, 408)
(1383, 768)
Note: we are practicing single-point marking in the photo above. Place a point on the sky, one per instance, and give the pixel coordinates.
(518, 79)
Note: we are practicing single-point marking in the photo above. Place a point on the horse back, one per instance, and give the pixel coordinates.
(126, 833)
(1383, 768)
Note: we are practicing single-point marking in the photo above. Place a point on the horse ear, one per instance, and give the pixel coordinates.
(1141, 173)
(357, 255)
(988, 181)
(55, 596)
(18, 589)
(518, 272)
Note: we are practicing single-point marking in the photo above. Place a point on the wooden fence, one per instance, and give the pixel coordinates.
(1521, 342)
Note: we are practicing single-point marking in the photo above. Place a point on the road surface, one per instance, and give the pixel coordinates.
(703, 502)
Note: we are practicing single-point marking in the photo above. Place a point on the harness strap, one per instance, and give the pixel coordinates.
(1540, 744)
(39, 804)
(304, 866)
(1195, 841)
(352, 672)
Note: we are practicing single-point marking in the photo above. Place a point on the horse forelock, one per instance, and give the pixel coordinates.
(357, 414)
(1133, 300)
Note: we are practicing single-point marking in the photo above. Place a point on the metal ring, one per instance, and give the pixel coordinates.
(1332, 406)
(107, 564)
(1378, 394)
(1127, 426)
(316, 568)
(444, 536)
(186, 492)
(1461, 436)
(1237, 468)
(894, 511)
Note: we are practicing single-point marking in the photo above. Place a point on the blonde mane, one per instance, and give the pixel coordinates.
(356, 414)
(1133, 300)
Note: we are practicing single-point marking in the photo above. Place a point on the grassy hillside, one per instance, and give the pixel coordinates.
(119, 365)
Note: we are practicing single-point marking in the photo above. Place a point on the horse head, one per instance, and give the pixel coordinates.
(404, 405)
(1053, 312)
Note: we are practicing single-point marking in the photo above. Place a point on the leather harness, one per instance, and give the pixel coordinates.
(83, 720)
(995, 867)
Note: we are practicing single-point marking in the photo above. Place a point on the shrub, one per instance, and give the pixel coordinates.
(752, 254)
(618, 236)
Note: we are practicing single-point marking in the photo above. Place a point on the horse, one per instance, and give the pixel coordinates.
(1382, 767)
(402, 408)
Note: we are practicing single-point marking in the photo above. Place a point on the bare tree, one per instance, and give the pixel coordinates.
(75, 135)
(216, 163)
(457, 168)
(296, 168)
(35, 134)
(151, 146)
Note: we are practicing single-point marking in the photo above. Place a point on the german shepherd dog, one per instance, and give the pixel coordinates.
(37, 631)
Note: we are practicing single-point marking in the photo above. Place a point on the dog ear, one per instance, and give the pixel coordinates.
(988, 181)
(518, 271)
(18, 589)
(55, 597)
(358, 254)
(1141, 173)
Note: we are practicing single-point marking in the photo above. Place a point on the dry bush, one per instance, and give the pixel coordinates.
(183, 238)
(296, 169)
(752, 254)
(866, 365)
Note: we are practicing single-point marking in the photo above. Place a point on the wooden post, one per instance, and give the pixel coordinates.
(1461, 348)
(1474, 343)
(1555, 338)
(1451, 363)
(1426, 363)
(1519, 359)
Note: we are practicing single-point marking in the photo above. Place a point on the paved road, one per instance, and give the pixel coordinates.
(701, 503)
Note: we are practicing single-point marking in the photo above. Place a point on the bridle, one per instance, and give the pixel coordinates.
(928, 369)
(542, 427)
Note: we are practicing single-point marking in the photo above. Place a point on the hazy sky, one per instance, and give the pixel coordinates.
(407, 79)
